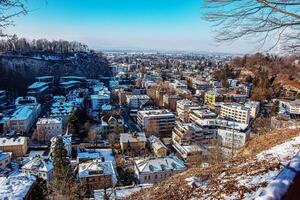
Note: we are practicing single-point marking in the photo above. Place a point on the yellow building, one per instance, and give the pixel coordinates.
(211, 98)
(158, 148)
(18, 146)
(133, 141)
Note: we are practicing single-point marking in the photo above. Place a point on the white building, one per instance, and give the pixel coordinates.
(227, 133)
(178, 85)
(4, 159)
(137, 101)
(99, 99)
(289, 107)
(24, 117)
(39, 166)
(184, 107)
(27, 100)
(159, 121)
(254, 108)
(38, 89)
(236, 112)
(187, 134)
(47, 128)
(201, 114)
(191, 154)
(155, 170)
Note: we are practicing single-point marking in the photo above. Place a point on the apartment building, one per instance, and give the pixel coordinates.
(156, 122)
(187, 134)
(184, 107)
(98, 100)
(110, 123)
(155, 170)
(254, 108)
(200, 85)
(47, 128)
(137, 101)
(201, 114)
(17, 187)
(38, 89)
(24, 117)
(212, 98)
(169, 101)
(227, 133)
(186, 138)
(235, 112)
(178, 85)
(191, 154)
(289, 107)
(18, 146)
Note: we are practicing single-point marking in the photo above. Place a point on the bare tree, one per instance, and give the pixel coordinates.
(264, 20)
(152, 127)
(215, 153)
(10, 9)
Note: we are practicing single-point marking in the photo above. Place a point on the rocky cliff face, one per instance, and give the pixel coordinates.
(18, 70)
(91, 65)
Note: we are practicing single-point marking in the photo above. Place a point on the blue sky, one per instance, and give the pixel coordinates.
(152, 24)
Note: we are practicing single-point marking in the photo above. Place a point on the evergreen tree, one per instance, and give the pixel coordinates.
(63, 176)
(40, 190)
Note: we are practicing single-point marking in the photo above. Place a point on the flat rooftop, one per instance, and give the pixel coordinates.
(48, 121)
(156, 112)
(222, 123)
(22, 113)
(37, 85)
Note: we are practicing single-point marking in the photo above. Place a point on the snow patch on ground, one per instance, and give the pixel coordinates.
(281, 152)
(280, 185)
(266, 176)
(195, 181)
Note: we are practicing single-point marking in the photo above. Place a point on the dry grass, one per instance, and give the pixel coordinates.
(177, 188)
(266, 141)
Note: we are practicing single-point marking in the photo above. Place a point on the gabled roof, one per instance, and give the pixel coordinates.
(151, 165)
(38, 163)
(97, 168)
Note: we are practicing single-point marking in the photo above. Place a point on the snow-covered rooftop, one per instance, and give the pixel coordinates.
(22, 113)
(15, 187)
(97, 168)
(132, 137)
(150, 165)
(38, 163)
(12, 141)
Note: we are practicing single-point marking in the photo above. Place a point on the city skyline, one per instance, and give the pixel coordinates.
(130, 24)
